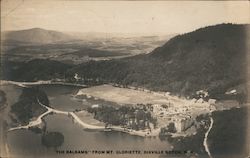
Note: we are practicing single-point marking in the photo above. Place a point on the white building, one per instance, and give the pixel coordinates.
(95, 106)
(77, 77)
(183, 123)
(233, 92)
(212, 101)
(200, 100)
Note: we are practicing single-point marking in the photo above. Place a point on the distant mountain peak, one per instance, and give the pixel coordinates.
(37, 29)
(37, 36)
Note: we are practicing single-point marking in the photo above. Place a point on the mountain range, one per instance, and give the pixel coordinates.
(36, 36)
(39, 43)
(212, 58)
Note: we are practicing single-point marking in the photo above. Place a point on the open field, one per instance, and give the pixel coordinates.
(127, 96)
(131, 96)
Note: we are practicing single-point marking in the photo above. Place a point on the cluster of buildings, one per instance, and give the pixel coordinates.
(166, 114)
(183, 122)
(182, 116)
(170, 109)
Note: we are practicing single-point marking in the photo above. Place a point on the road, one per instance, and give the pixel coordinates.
(83, 124)
(72, 114)
(26, 84)
(206, 135)
(51, 110)
(4, 150)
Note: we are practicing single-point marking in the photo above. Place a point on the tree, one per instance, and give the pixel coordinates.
(2, 98)
(171, 128)
(52, 139)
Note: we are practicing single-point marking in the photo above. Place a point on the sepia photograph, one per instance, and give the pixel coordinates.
(124, 79)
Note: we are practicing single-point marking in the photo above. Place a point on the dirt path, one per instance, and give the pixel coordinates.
(25, 84)
(38, 121)
(206, 135)
(83, 124)
(50, 110)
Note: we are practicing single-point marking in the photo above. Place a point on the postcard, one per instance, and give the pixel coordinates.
(124, 79)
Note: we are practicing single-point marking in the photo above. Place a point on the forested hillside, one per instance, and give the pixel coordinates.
(211, 58)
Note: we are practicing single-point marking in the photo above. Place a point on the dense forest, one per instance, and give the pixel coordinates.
(192, 145)
(52, 139)
(127, 116)
(33, 70)
(27, 106)
(2, 98)
(228, 136)
(211, 58)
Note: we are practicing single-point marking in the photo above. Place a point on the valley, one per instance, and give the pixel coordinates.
(84, 118)
(145, 93)
(69, 49)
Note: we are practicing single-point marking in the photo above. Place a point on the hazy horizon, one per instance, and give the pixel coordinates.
(121, 17)
(114, 34)
(92, 32)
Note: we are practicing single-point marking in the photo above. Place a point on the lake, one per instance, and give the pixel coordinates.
(25, 143)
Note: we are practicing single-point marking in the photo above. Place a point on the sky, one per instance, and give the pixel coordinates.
(135, 17)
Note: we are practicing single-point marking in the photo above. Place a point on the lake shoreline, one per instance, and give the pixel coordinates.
(85, 125)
